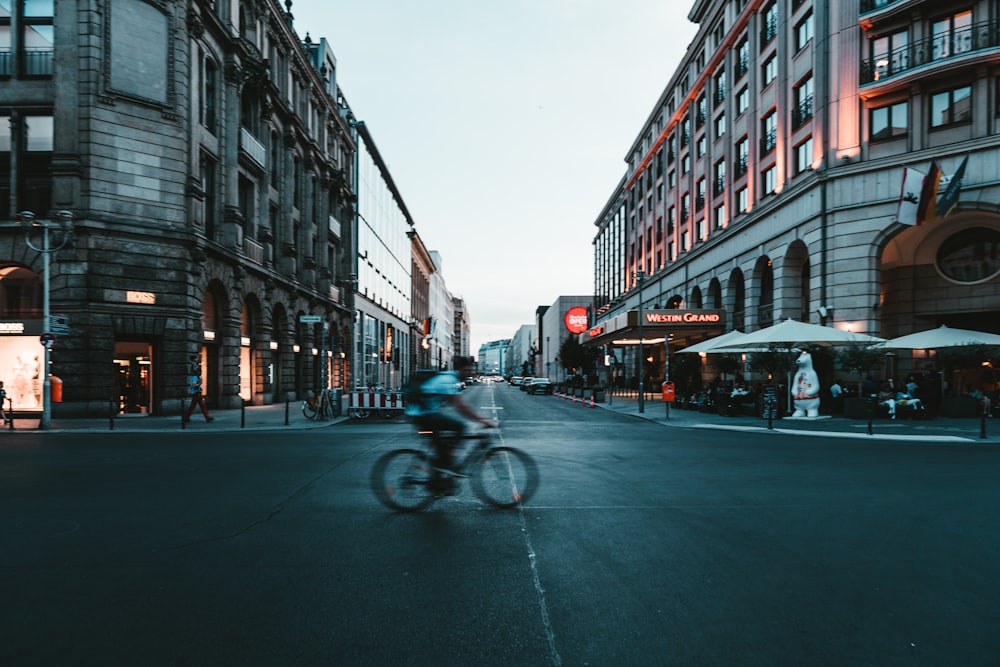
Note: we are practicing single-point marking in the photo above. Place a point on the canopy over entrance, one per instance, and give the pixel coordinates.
(657, 326)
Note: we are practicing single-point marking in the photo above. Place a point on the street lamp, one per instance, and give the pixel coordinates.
(639, 275)
(65, 225)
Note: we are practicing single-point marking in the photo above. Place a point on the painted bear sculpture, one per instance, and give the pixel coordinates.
(805, 389)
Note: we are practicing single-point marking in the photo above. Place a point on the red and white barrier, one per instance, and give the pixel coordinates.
(377, 400)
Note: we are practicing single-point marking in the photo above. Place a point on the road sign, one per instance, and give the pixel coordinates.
(310, 319)
(58, 324)
(47, 339)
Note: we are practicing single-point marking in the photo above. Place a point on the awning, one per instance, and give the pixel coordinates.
(657, 327)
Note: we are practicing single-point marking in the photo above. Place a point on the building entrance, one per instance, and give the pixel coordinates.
(134, 377)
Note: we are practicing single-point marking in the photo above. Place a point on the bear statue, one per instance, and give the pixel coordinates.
(805, 389)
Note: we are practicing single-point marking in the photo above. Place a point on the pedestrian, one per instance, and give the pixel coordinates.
(3, 399)
(837, 394)
(195, 388)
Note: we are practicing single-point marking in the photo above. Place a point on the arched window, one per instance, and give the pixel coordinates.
(20, 294)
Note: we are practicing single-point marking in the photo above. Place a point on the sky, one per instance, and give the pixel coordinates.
(505, 127)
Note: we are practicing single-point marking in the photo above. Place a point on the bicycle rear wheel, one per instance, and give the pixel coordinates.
(401, 480)
(505, 477)
(309, 408)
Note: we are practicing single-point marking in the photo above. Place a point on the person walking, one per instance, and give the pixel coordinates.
(3, 399)
(197, 395)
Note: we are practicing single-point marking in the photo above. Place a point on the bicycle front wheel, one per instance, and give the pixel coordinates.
(401, 480)
(505, 477)
(309, 408)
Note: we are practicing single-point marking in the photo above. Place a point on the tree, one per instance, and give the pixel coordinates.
(964, 358)
(575, 358)
(860, 359)
(775, 361)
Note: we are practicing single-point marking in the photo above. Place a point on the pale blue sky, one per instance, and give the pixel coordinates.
(505, 127)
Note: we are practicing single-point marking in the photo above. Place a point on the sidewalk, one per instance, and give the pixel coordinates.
(255, 417)
(273, 417)
(941, 429)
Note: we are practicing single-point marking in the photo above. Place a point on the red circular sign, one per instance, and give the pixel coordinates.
(576, 319)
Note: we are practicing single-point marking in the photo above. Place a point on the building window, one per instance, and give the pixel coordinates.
(720, 126)
(951, 107)
(890, 55)
(889, 122)
(952, 35)
(803, 155)
(742, 57)
(699, 202)
(701, 147)
(803, 31)
(210, 93)
(719, 94)
(720, 177)
(803, 100)
(720, 216)
(769, 70)
(742, 157)
(769, 181)
(742, 200)
(742, 100)
(769, 132)
(37, 37)
(685, 164)
(769, 23)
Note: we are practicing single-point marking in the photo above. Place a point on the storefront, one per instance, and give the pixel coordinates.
(21, 360)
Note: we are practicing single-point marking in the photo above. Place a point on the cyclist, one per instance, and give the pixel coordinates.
(430, 405)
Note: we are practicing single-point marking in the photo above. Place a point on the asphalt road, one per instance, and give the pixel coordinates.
(645, 545)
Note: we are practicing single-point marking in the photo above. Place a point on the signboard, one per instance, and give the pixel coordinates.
(770, 402)
(310, 319)
(59, 324)
(576, 319)
(47, 339)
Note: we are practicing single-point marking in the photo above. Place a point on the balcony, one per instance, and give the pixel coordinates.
(253, 250)
(769, 30)
(4, 62)
(252, 147)
(937, 49)
(37, 61)
(802, 112)
(740, 165)
(768, 141)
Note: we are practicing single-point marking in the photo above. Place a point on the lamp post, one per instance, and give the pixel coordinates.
(639, 275)
(29, 222)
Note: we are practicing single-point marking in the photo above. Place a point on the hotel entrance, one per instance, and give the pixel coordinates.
(134, 377)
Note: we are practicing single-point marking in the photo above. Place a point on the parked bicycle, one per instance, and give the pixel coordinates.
(320, 406)
(405, 480)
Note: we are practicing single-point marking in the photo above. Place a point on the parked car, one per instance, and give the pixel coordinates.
(540, 386)
(516, 380)
(525, 383)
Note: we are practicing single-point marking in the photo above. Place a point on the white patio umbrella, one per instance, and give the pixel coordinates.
(710, 344)
(791, 333)
(943, 336)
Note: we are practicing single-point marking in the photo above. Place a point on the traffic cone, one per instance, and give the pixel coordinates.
(592, 401)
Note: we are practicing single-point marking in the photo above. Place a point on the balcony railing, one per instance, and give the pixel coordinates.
(802, 112)
(740, 165)
(37, 61)
(872, 5)
(765, 315)
(252, 147)
(939, 48)
(769, 29)
(5, 62)
(719, 185)
(768, 141)
(253, 250)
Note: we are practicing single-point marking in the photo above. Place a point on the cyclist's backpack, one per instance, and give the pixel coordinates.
(413, 391)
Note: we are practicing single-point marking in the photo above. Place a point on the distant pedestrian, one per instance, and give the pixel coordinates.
(3, 399)
(195, 388)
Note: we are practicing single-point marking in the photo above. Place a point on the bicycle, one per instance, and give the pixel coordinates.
(319, 406)
(404, 479)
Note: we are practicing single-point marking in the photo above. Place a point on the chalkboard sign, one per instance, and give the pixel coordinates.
(770, 402)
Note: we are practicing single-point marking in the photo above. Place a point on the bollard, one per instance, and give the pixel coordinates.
(243, 414)
(111, 413)
(183, 416)
(286, 412)
(982, 421)
(10, 414)
(871, 413)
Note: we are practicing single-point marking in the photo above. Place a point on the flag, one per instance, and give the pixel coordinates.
(909, 196)
(949, 198)
(928, 195)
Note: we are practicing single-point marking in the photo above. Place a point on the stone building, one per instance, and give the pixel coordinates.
(205, 155)
(767, 180)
